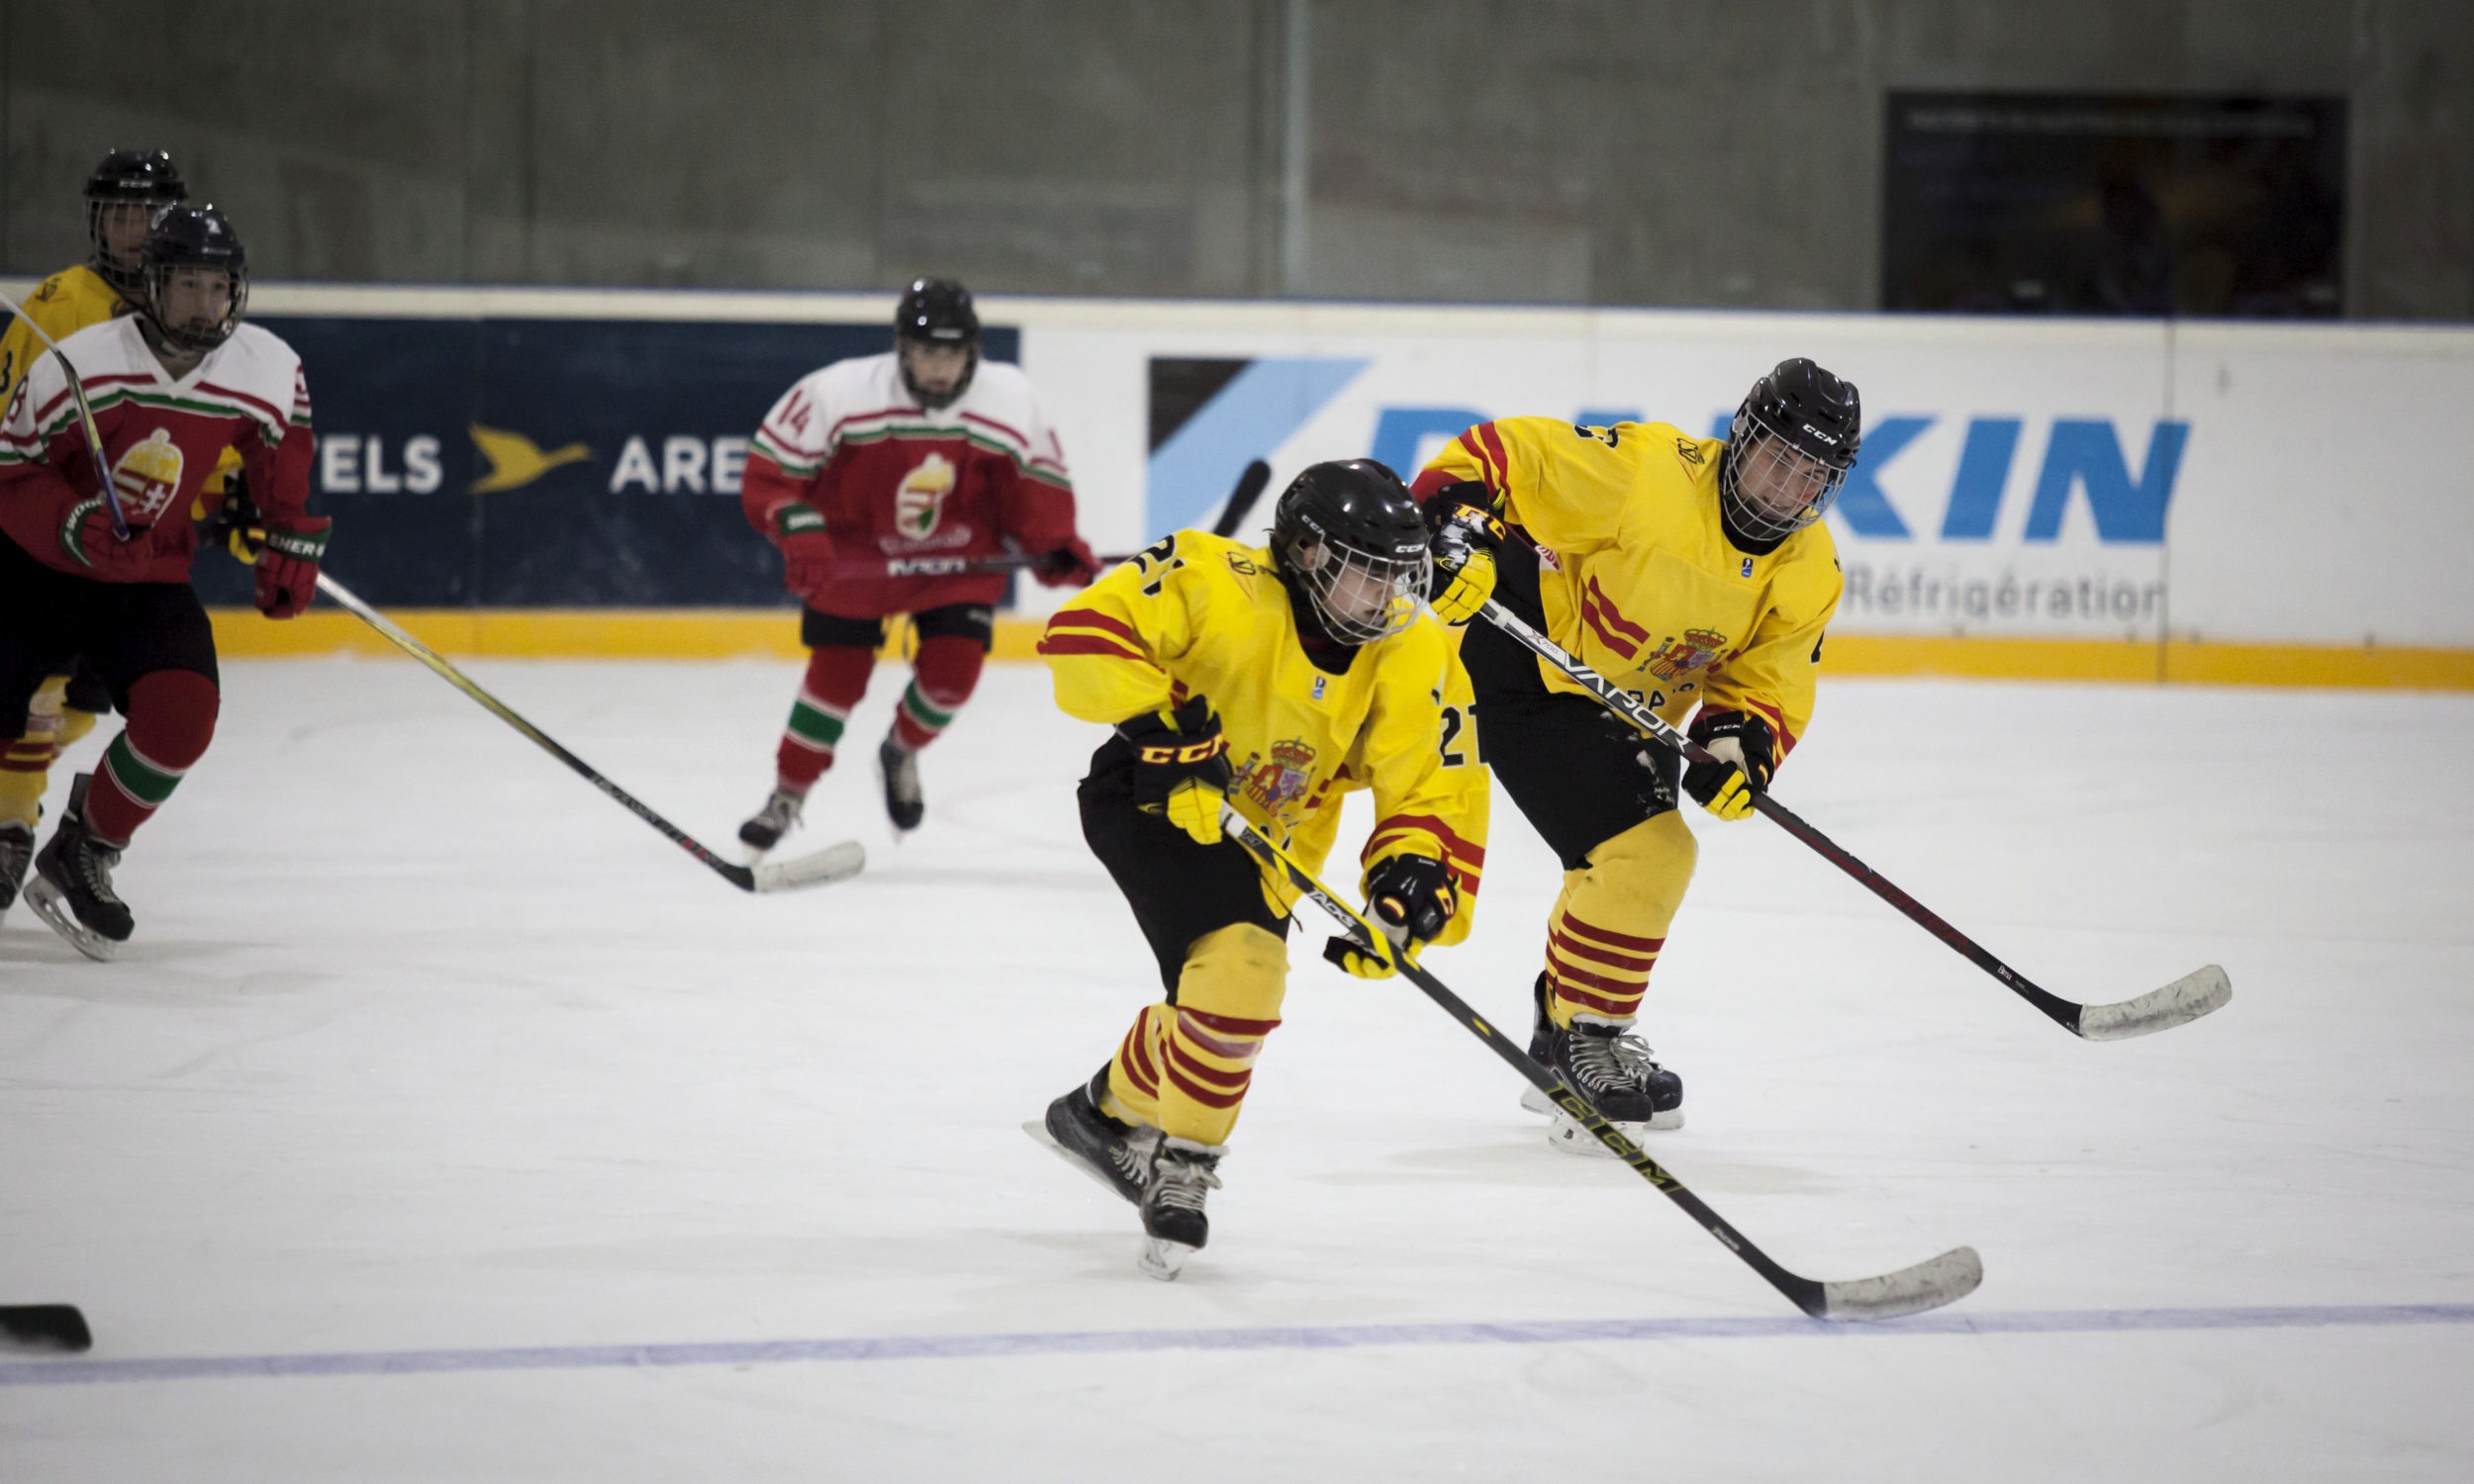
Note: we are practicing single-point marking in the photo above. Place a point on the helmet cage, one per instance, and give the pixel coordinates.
(140, 180)
(1358, 596)
(192, 237)
(1771, 485)
(933, 400)
(159, 277)
(937, 312)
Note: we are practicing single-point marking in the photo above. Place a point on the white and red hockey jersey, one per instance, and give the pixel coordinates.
(894, 479)
(162, 436)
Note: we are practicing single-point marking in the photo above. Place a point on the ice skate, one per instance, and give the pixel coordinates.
(1610, 1066)
(1183, 1172)
(17, 852)
(765, 828)
(897, 769)
(72, 885)
(1117, 1155)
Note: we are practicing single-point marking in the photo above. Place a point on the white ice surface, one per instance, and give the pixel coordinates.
(424, 1046)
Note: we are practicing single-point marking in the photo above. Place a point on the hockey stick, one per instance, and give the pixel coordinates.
(45, 1327)
(1241, 501)
(832, 864)
(1911, 1290)
(2185, 999)
(85, 416)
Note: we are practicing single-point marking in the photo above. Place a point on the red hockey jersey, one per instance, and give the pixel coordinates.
(894, 479)
(162, 436)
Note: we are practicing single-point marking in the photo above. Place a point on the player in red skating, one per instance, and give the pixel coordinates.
(919, 453)
(122, 196)
(173, 387)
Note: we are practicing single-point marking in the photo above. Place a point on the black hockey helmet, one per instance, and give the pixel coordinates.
(1351, 544)
(141, 182)
(193, 237)
(1792, 443)
(938, 311)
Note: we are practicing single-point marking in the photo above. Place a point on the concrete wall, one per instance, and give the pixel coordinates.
(1678, 153)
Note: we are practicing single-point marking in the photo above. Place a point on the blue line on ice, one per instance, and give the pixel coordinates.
(1117, 1341)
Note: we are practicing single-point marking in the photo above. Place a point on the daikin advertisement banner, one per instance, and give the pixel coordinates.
(2018, 479)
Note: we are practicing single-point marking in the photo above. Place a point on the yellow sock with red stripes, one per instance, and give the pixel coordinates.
(1610, 922)
(26, 761)
(1183, 1069)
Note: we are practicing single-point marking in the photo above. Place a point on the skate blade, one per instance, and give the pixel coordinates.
(52, 908)
(1569, 1137)
(1163, 1260)
(1039, 1131)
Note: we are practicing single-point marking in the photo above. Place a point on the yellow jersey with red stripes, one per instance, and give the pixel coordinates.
(1198, 615)
(1636, 574)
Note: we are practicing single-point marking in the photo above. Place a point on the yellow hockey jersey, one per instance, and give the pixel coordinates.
(63, 304)
(1637, 577)
(1198, 615)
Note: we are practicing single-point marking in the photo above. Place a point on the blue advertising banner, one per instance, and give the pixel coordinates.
(547, 463)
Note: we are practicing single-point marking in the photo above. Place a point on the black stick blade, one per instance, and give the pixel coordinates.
(2178, 1003)
(45, 1327)
(1929, 1284)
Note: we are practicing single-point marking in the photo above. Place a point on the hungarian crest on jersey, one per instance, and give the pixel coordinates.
(148, 476)
(1281, 779)
(1696, 650)
(919, 503)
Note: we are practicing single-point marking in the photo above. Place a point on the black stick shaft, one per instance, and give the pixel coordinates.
(105, 490)
(1805, 1293)
(1241, 500)
(736, 875)
(1629, 706)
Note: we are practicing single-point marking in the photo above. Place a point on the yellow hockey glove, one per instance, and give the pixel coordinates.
(1741, 749)
(1465, 590)
(1181, 768)
(1466, 536)
(1193, 807)
(1412, 898)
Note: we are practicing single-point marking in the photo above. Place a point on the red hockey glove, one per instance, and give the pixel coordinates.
(807, 554)
(86, 536)
(1068, 566)
(1412, 898)
(1745, 752)
(287, 567)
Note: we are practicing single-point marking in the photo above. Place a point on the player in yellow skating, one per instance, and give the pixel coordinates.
(122, 195)
(1694, 573)
(1276, 679)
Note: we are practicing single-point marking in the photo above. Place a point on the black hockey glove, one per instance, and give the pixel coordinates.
(1746, 752)
(235, 525)
(1412, 899)
(1467, 535)
(1180, 766)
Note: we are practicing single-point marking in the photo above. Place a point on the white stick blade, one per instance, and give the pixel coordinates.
(1930, 1284)
(835, 863)
(2184, 1000)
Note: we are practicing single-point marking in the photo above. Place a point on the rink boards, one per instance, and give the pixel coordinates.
(556, 472)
